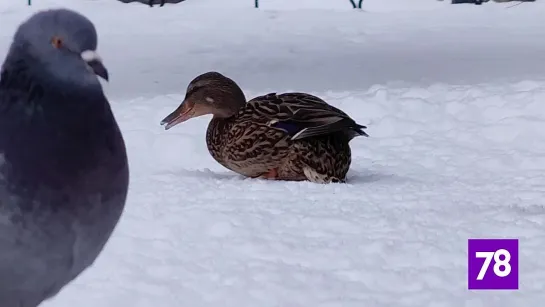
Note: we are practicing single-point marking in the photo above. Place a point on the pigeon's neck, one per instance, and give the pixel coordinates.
(54, 133)
(22, 72)
(29, 88)
(28, 94)
(47, 119)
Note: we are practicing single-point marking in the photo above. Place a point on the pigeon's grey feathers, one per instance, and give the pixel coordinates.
(63, 164)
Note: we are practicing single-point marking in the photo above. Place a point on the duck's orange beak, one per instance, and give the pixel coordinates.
(184, 112)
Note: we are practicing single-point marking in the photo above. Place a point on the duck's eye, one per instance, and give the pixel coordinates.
(56, 42)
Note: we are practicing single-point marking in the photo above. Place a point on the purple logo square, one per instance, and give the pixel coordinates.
(493, 264)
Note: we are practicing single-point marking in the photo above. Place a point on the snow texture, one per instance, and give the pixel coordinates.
(452, 95)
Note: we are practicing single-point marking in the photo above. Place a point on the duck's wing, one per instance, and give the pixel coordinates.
(302, 115)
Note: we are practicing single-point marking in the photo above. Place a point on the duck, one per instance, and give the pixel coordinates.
(289, 136)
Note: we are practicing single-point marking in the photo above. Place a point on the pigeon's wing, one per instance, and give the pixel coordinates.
(29, 257)
(15, 264)
(26, 262)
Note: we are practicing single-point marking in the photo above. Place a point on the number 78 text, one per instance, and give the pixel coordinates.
(501, 267)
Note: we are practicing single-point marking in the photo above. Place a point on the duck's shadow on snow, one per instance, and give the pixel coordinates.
(209, 174)
(363, 177)
(356, 178)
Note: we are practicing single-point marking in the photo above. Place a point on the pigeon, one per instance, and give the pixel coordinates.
(64, 173)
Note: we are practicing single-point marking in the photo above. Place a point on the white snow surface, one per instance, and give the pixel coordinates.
(453, 97)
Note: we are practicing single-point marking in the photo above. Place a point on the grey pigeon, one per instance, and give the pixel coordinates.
(63, 164)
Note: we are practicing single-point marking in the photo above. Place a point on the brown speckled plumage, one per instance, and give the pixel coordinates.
(291, 136)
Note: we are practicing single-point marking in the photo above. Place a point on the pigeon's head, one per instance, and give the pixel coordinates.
(64, 43)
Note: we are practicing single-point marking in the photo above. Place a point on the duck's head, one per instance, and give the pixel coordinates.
(209, 93)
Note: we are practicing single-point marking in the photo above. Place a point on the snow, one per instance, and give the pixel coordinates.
(452, 96)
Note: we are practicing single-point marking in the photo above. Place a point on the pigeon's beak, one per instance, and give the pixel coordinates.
(95, 63)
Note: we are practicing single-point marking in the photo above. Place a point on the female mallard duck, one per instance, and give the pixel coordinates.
(291, 136)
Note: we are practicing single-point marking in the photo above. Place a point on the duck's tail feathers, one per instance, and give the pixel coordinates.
(349, 126)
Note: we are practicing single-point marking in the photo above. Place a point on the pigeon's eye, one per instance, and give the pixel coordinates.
(56, 42)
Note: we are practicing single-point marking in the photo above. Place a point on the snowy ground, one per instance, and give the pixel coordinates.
(452, 95)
